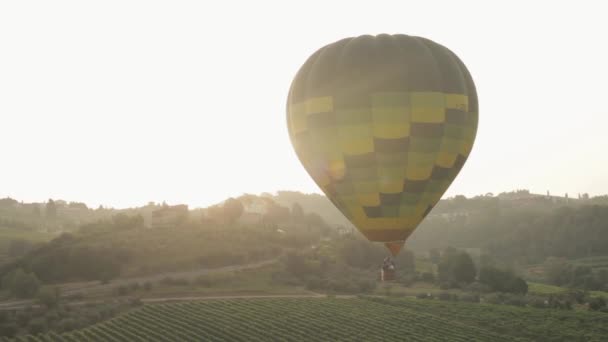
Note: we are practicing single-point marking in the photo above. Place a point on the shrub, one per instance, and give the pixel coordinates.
(477, 287)
(147, 286)
(366, 286)
(472, 298)
(174, 281)
(538, 302)
(596, 304)
(37, 325)
(49, 297)
(446, 296)
(515, 300)
(427, 277)
(8, 329)
(424, 296)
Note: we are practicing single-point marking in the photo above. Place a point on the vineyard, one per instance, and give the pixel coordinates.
(332, 319)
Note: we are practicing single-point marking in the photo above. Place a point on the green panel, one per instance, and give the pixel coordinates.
(417, 159)
(437, 186)
(410, 199)
(390, 211)
(391, 99)
(392, 173)
(453, 131)
(344, 188)
(424, 145)
(362, 174)
(391, 159)
(353, 116)
(363, 187)
(427, 99)
(407, 209)
(451, 145)
(390, 115)
(358, 131)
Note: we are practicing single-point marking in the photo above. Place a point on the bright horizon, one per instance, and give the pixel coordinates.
(124, 102)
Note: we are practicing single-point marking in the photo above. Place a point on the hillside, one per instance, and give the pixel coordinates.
(352, 319)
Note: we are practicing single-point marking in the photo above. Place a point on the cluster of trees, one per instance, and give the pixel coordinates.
(518, 231)
(19, 247)
(456, 268)
(321, 273)
(560, 272)
(63, 259)
(21, 284)
(273, 213)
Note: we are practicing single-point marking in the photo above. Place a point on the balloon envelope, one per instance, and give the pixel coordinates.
(383, 124)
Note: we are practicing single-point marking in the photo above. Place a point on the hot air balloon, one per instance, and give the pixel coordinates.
(383, 124)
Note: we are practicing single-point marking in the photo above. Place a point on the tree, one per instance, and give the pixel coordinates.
(597, 303)
(502, 280)
(36, 211)
(276, 213)
(406, 262)
(434, 255)
(49, 297)
(232, 210)
(125, 222)
(51, 210)
(18, 247)
(21, 284)
(518, 285)
(558, 271)
(463, 269)
(456, 267)
(297, 213)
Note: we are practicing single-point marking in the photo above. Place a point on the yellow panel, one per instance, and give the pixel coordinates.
(383, 223)
(322, 179)
(391, 131)
(427, 99)
(297, 109)
(388, 115)
(391, 173)
(391, 187)
(446, 159)
(298, 124)
(360, 131)
(421, 159)
(435, 197)
(419, 173)
(420, 209)
(337, 169)
(319, 105)
(465, 148)
(457, 101)
(358, 215)
(297, 118)
(407, 222)
(428, 114)
(369, 200)
(357, 146)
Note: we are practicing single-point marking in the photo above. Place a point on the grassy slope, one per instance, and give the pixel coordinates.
(162, 250)
(9, 234)
(357, 319)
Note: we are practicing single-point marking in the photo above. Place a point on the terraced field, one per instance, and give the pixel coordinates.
(338, 319)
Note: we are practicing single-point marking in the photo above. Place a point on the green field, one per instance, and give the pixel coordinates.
(544, 289)
(598, 262)
(343, 319)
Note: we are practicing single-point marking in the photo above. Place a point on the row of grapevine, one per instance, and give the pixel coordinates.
(355, 319)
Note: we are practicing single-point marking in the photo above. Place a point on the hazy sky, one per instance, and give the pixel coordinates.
(123, 102)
